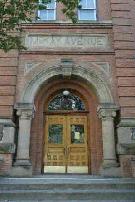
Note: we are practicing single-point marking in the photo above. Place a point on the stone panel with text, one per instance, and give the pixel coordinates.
(87, 42)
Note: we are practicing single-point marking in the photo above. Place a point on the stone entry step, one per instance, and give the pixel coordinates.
(68, 195)
(67, 200)
(73, 188)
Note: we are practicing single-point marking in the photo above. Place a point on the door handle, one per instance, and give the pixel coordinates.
(66, 150)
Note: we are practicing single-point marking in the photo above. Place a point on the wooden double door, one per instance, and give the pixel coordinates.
(65, 149)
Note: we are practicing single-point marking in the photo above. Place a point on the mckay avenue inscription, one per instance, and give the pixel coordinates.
(66, 41)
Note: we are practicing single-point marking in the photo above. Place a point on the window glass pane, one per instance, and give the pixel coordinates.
(47, 14)
(91, 3)
(51, 14)
(43, 14)
(88, 4)
(83, 3)
(55, 134)
(51, 5)
(77, 134)
(87, 14)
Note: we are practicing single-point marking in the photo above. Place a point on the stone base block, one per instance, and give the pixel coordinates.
(22, 167)
(22, 162)
(110, 164)
(21, 171)
(110, 172)
(133, 167)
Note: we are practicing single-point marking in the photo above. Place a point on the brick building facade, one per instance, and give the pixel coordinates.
(93, 60)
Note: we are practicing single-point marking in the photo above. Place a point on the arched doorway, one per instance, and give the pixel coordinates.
(86, 118)
(66, 138)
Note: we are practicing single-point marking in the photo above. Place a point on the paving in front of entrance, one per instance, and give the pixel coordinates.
(67, 188)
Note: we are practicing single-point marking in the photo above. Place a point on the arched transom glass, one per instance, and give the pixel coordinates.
(66, 101)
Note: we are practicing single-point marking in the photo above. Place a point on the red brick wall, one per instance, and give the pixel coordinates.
(124, 44)
(122, 61)
(6, 164)
(8, 72)
(126, 165)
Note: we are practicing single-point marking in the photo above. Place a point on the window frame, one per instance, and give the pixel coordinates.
(88, 9)
(47, 9)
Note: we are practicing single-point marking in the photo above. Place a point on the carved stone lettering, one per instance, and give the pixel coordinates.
(66, 41)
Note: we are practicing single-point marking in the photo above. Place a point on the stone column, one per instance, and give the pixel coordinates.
(25, 113)
(107, 113)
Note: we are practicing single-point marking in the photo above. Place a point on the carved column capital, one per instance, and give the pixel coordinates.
(107, 111)
(25, 110)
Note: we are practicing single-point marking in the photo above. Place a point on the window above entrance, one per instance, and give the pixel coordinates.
(49, 13)
(66, 101)
(87, 10)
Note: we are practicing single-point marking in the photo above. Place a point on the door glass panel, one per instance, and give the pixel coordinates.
(55, 134)
(77, 134)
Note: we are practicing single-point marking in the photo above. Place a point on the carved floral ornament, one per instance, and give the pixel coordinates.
(25, 110)
(107, 112)
(67, 66)
(88, 72)
(25, 114)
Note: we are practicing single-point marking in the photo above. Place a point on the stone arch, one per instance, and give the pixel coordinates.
(106, 110)
(90, 75)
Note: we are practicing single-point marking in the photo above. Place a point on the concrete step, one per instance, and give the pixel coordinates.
(68, 194)
(65, 183)
(67, 200)
(67, 188)
(53, 186)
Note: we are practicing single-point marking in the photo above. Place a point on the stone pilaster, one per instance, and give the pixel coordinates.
(7, 145)
(25, 113)
(126, 144)
(107, 113)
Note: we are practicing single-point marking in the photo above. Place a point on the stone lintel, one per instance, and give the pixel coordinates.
(107, 110)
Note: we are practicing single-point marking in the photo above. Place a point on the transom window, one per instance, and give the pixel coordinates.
(49, 13)
(66, 101)
(87, 10)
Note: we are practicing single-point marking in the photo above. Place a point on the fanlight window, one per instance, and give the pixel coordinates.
(66, 102)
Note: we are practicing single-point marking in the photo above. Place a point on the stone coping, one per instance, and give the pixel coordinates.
(7, 122)
(7, 148)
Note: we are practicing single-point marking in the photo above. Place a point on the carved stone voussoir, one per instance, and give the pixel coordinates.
(67, 67)
(107, 111)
